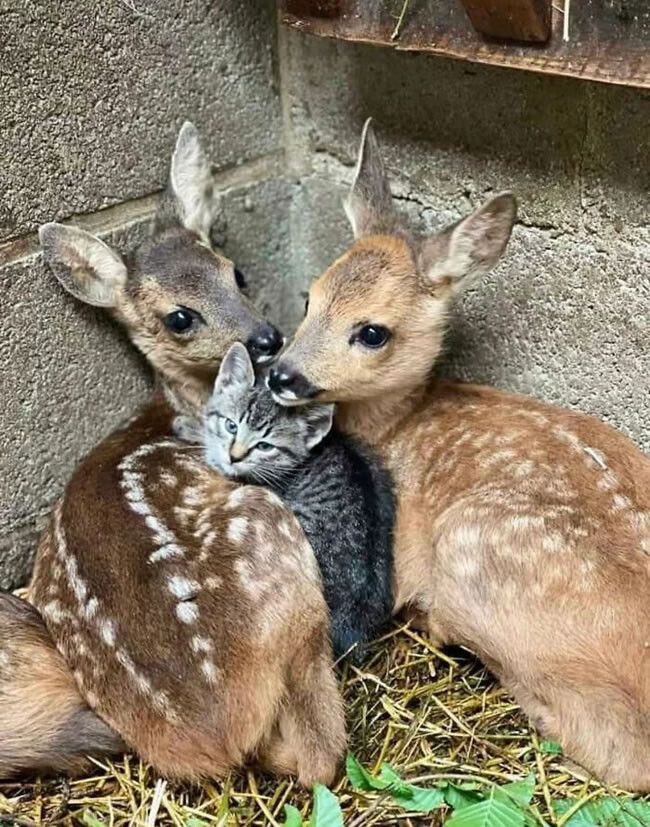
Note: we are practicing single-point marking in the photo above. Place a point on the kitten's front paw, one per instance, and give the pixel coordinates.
(187, 429)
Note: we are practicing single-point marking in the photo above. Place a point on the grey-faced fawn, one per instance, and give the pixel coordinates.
(523, 530)
(187, 607)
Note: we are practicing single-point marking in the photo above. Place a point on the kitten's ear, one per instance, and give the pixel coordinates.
(236, 370)
(319, 423)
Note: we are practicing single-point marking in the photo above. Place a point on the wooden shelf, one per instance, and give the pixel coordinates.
(608, 40)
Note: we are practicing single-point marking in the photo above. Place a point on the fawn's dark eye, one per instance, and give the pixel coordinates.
(264, 446)
(373, 335)
(240, 279)
(180, 321)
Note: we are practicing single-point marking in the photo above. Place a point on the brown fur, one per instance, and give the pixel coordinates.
(523, 530)
(189, 610)
(258, 618)
(45, 725)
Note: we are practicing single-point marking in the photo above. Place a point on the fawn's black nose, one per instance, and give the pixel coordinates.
(265, 342)
(287, 384)
(281, 379)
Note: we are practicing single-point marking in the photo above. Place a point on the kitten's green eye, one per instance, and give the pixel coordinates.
(230, 426)
(264, 446)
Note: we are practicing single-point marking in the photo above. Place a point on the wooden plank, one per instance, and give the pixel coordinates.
(313, 8)
(609, 40)
(527, 20)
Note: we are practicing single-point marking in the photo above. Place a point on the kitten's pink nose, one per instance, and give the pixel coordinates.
(237, 452)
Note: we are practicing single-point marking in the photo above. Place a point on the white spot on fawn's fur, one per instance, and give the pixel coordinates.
(165, 552)
(181, 587)
(236, 498)
(132, 483)
(209, 670)
(187, 612)
(201, 644)
(597, 457)
(107, 631)
(237, 528)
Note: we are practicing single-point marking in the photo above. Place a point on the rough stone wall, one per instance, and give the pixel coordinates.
(91, 98)
(566, 316)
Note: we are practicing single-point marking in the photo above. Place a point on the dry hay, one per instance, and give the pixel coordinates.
(432, 716)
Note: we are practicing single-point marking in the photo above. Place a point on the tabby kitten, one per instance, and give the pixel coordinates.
(339, 492)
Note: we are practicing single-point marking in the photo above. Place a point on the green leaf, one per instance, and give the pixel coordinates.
(359, 776)
(519, 791)
(327, 811)
(460, 797)
(419, 800)
(193, 821)
(488, 813)
(293, 817)
(408, 796)
(605, 812)
(394, 782)
(90, 819)
(550, 748)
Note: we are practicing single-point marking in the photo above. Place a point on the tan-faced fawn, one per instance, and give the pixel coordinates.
(188, 608)
(523, 529)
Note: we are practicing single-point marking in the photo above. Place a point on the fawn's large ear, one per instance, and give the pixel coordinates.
(319, 422)
(189, 198)
(452, 259)
(369, 205)
(84, 265)
(236, 370)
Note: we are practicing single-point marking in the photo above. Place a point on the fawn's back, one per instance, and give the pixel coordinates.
(523, 530)
(188, 609)
(165, 621)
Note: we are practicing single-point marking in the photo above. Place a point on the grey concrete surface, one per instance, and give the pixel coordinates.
(566, 315)
(92, 92)
(69, 377)
(91, 96)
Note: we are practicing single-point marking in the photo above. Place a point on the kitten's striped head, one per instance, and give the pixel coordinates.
(248, 435)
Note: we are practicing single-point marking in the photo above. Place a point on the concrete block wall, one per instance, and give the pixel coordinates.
(91, 97)
(566, 315)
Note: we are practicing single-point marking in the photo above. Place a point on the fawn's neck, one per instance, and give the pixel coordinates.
(373, 420)
(187, 395)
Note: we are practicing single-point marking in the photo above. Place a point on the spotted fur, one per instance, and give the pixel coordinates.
(523, 530)
(192, 625)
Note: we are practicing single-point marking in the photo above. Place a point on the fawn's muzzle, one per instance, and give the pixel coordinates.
(287, 385)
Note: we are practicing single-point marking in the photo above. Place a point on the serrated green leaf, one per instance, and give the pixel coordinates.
(550, 748)
(520, 791)
(91, 820)
(407, 795)
(605, 812)
(394, 782)
(193, 821)
(419, 800)
(359, 776)
(327, 810)
(292, 816)
(488, 813)
(460, 797)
